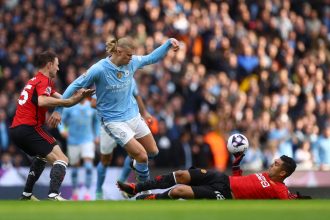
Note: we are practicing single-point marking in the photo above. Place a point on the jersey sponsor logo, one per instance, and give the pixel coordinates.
(203, 171)
(119, 87)
(263, 181)
(48, 90)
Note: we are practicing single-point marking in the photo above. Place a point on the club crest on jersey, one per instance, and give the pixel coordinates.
(48, 90)
(203, 171)
(119, 75)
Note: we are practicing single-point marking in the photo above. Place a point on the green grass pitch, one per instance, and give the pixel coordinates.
(166, 210)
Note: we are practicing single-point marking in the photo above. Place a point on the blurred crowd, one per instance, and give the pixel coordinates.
(259, 67)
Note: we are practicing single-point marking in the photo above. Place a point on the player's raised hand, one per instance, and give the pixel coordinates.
(80, 95)
(54, 120)
(88, 92)
(148, 118)
(238, 158)
(175, 44)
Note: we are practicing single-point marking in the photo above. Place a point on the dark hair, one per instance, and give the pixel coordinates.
(44, 58)
(289, 165)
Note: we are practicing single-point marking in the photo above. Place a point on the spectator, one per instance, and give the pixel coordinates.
(4, 138)
(304, 157)
(323, 150)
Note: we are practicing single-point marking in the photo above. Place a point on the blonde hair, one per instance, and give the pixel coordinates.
(112, 44)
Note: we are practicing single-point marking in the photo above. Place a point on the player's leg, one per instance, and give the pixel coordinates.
(57, 173)
(209, 184)
(144, 137)
(126, 169)
(124, 136)
(196, 184)
(178, 192)
(34, 142)
(74, 152)
(101, 172)
(149, 144)
(36, 169)
(159, 182)
(107, 144)
(138, 153)
(88, 154)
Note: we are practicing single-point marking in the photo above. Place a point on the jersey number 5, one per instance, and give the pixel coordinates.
(25, 95)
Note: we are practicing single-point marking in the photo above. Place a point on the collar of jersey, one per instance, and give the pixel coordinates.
(112, 64)
(42, 75)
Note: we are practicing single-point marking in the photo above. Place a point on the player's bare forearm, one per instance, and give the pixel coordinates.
(57, 95)
(236, 169)
(142, 108)
(80, 95)
(49, 102)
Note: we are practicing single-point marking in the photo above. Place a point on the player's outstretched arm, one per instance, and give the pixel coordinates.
(55, 119)
(143, 110)
(47, 101)
(236, 169)
(158, 53)
(175, 44)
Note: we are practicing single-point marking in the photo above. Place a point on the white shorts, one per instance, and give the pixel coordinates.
(77, 152)
(107, 143)
(123, 132)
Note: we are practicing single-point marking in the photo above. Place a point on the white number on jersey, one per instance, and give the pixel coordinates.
(25, 95)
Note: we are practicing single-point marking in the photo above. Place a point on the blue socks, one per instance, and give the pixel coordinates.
(141, 172)
(88, 178)
(74, 177)
(101, 170)
(126, 170)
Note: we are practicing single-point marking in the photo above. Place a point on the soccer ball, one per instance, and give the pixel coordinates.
(237, 143)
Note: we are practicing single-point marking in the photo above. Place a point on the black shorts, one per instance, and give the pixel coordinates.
(209, 184)
(35, 141)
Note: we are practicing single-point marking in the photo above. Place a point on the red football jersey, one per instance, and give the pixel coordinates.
(28, 112)
(257, 186)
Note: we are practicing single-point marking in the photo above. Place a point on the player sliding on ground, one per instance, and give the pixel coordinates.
(209, 184)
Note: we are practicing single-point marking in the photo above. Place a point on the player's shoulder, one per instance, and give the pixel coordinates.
(97, 67)
(37, 79)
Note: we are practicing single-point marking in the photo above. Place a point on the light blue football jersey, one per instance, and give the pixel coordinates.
(82, 123)
(114, 85)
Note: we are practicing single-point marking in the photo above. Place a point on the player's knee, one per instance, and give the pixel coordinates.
(152, 155)
(65, 159)
(62, 157)
(177, 192)
(182, 176)
(141, 157)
